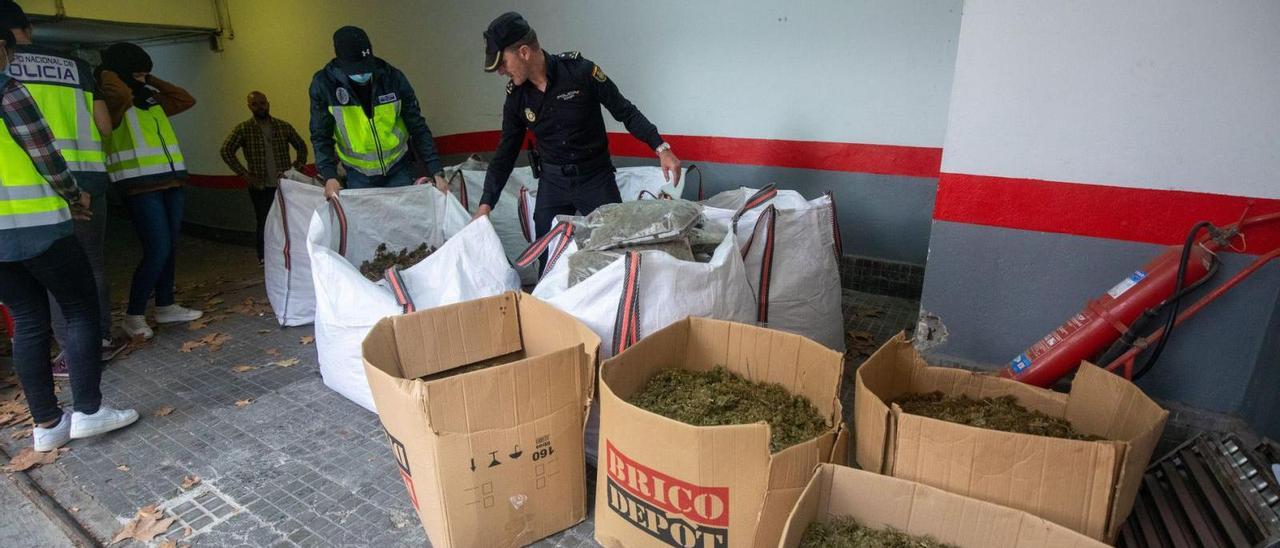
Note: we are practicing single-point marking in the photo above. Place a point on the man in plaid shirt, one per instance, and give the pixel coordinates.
(41, 257)
(265, 141)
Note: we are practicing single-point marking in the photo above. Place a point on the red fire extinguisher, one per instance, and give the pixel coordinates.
(1139, 297)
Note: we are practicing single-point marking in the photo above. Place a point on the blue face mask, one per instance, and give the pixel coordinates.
(362, 78)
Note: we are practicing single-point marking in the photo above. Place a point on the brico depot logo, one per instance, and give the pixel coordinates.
(675, 512)
(402, 461)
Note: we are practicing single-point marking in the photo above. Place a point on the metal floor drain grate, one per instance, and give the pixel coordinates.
(201, 509)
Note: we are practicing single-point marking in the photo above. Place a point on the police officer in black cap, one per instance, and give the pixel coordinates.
(365, 114)
(559, 98)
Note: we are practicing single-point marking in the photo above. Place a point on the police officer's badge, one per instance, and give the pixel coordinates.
(342, 96)
(529, 115)
(598, 74)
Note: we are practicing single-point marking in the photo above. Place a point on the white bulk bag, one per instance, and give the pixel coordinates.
(634, 183)
(505, 216)
(665, 290)
(803, 286)
(468, 264)
(285, 261)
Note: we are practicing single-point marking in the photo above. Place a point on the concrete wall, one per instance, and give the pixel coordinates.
(855, 76)
(1081, 137)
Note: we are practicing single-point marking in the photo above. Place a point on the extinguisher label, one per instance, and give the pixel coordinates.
(1020, 363)
(1126, 284)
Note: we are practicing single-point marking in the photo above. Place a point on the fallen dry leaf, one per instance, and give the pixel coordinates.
(214, 302)
(273, 351)
(28, 459)
(307, 340)
(197, 324)
(190, 345)
(168, 543)
(244, 403)
(20, 434)
(163, 411)
(243, 368)
(148, 524)
(189, 481)
(186, 532)
(213, 340)
(286, 363)
(123, 468)
(263, 331)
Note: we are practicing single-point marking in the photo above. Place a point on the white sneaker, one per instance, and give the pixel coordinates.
(136, 326)
(105, 420)
(176, 313)
(48, 439)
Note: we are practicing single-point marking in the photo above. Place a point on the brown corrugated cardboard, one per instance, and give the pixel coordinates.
(877, 501)
(491, 457)
(662, 482)
(1086, 486)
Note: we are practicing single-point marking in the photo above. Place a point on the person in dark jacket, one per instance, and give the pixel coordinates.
(365, 114)
(146, 163)
(558, 98)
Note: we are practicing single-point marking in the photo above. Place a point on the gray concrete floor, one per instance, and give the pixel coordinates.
(24, 524)
(300, 465)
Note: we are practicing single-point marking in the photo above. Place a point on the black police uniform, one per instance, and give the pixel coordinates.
(577, 173)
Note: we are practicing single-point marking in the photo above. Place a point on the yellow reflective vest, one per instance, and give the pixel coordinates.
(144, 145)
(370, 145)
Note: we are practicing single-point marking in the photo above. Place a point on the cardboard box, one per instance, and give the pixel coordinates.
(665, 483)
(490, 457)
(877, 502)
(1088, 486)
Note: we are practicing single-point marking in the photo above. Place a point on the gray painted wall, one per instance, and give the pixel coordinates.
(1262, 406)
(998, 290)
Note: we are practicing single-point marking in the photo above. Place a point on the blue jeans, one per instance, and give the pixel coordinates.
(400, 174)
(25, 286)
(157, 218)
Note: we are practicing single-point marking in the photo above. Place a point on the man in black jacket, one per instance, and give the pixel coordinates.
(559, 98)
(365, 114)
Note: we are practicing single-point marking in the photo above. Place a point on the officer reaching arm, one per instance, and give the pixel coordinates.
(559, 97)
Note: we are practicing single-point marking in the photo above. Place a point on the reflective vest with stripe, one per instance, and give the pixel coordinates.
(57, 83)
(370, 145)
(26, 199)
(143, 145)
(68, 113)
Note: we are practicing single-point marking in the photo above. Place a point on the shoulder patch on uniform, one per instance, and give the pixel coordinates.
(511, 86)
(598, 74)
(571, 55)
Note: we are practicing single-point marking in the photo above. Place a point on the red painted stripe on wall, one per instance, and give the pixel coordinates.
(1118, 213)
(852, 157)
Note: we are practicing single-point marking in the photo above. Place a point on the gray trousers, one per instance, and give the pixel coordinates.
(92, 235)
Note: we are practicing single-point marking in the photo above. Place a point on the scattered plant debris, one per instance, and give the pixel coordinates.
(383, 259)
(148, 524)
(720, 397)
(843, 532)
(29, 458)
(1002, 413)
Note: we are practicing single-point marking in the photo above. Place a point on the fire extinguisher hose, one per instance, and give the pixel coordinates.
(1138, 328)
(1172, 315)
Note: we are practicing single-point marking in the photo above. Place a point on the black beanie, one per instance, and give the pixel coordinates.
(12, 16)
(125, 59)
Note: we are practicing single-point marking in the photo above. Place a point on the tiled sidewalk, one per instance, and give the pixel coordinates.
(298, 465)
